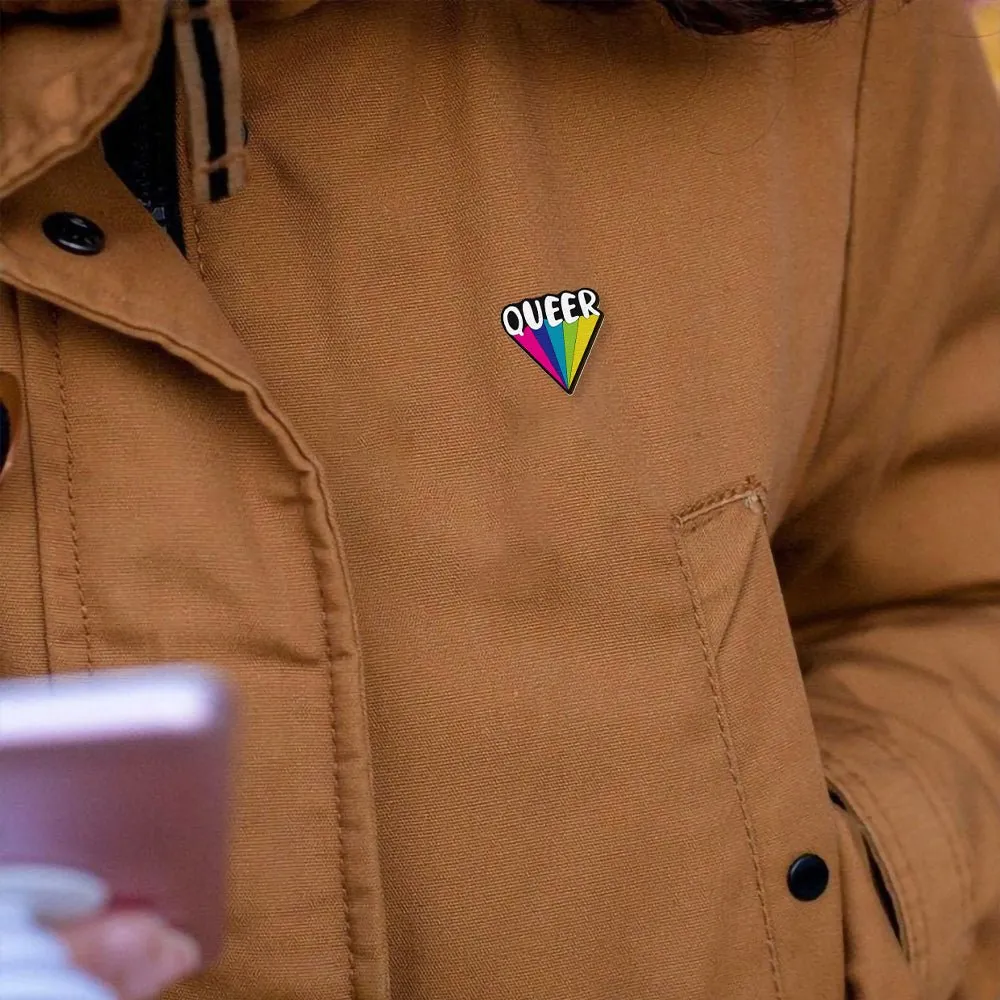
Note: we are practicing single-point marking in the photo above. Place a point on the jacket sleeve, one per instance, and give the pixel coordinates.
(890, 550)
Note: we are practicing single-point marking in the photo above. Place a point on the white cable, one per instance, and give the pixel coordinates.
(34, 963)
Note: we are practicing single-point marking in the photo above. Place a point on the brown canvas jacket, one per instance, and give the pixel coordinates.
(545, 694)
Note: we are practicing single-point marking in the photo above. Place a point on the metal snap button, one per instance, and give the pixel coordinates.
(74, 233)
(808, 877)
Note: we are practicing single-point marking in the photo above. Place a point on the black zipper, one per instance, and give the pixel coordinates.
(141, 144)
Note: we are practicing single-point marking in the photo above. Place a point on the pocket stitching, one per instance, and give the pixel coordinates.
(749, 488)
(71, 492)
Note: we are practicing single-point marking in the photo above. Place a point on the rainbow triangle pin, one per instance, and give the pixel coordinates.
(556, 331)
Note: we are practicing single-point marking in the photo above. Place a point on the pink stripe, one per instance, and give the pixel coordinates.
(529, 342)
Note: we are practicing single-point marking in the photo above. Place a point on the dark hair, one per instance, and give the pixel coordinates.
(737, 17)
(733, 17)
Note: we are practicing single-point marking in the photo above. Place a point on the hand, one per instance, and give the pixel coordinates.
(134, 952)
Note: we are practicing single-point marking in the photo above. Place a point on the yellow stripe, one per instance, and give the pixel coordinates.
(584, 333)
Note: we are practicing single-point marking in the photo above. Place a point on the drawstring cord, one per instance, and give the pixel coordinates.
(210, 73)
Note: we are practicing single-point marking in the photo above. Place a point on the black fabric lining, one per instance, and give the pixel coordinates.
(211, 79)
(218, 184)
(141, 145)
(877, 877)
(883, 894)
(4, 435)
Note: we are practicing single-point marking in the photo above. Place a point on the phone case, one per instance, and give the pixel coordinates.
(125, 775)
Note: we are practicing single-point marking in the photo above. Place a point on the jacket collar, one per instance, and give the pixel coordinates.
(61, 81)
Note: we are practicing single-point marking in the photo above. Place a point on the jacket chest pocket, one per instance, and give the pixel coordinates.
(765, 728)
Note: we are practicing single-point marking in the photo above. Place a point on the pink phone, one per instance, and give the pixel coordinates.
(125, 775)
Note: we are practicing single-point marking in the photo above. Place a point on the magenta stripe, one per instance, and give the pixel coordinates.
(529, 342)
